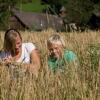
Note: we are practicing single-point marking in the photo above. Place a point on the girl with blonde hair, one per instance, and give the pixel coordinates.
(58, 55)
(15, 50)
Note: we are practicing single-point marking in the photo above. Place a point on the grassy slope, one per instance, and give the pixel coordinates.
(35, 6)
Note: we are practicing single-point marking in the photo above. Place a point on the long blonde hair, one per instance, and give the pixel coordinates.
(9, 39)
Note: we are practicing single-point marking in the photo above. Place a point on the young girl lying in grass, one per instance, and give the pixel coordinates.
(58, 55)
(15, 50)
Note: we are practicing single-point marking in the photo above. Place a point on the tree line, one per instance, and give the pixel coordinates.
(78, 11)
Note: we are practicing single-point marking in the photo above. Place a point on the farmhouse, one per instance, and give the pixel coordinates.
(34, 21)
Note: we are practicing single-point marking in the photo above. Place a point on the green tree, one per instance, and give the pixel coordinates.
(79, 11)
(5, 10)
(55, 5)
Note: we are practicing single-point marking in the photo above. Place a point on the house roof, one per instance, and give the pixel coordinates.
(38, 20)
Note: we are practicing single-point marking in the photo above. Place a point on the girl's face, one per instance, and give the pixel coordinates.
(18, 44)
(55, 50)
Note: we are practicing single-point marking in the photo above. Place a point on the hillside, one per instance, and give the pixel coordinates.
(34, 6)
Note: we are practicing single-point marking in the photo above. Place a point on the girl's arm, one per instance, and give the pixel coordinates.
(34, 66)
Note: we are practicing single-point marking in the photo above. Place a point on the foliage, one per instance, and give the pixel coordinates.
(94, 55)
(5, 7)
(55, 5)
(77, 11)
(4, 16)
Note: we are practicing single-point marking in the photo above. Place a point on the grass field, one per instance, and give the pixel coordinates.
(34, 6)
(84, 84)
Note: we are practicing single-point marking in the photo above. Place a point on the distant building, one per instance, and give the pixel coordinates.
(34, 21)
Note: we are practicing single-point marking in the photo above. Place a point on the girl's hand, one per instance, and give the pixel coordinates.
(7, 60)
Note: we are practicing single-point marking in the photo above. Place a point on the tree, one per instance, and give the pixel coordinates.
(79, 11)
(5, 10)
(55, 5)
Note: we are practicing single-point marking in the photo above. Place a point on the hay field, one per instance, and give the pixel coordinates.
(17, 84)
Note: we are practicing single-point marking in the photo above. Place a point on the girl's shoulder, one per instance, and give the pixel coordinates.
(69, 55)
(28, 46)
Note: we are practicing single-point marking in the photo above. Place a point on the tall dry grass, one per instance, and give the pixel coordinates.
(84, 84)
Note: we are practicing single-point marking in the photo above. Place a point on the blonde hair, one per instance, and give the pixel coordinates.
(9, 39)
(56, 39)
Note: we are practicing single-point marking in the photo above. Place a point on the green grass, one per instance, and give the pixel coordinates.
(35, 6)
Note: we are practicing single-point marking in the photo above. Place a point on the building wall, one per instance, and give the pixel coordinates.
(15, 23)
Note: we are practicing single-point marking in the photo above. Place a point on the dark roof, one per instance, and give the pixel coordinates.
(38, 20)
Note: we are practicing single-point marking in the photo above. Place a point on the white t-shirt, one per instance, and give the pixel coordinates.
(27, 48)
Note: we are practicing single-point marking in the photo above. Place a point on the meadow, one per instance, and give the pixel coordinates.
(84, 84)
(33, 6)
